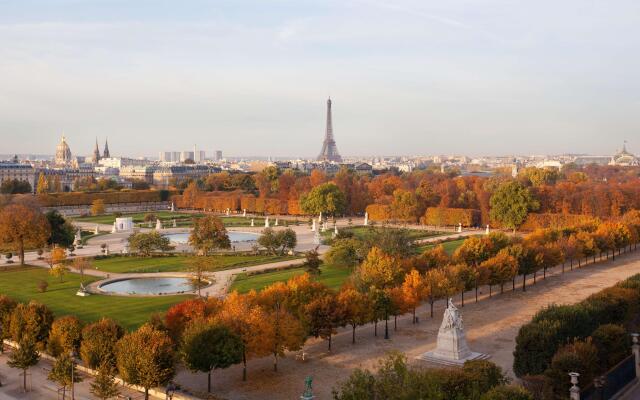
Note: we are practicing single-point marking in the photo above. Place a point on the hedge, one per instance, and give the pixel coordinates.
(556, 325)
(557, 221)
(450, 216)
(86, 198)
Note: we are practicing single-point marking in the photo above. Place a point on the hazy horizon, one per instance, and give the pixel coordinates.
(250, 77)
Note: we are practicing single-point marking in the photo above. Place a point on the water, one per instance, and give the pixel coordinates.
(149, 286)
(234, 237)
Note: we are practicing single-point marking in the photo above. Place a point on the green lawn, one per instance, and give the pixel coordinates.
(182, 219)
(137, 217)
(331, 276)
(130, 312)
(177, 263)
(360, 232)
(450, 246)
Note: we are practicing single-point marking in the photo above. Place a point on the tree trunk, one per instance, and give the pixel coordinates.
(395, 322)
(489, 290)
(244, 364)
(476, 291)
(501, 288)
(513, 284)
(21, 250)
(462, 297)
(544, 273)
(524, 282)
(431, 301)
(209, 382)
(64, 392)
(535, 274)
(24, 379)
(386, 327)
(275, 362)
(146, 393)
(414, 315)
(375, 328)
(353, 334)
(329, 342)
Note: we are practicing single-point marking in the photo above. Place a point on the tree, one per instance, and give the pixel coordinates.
(64, 336)
(43, 184)
(99, 342)
(22, 226)
(268, 240)
(346, 253)
(246, 319)
(501, 269)
(64, 372)
(146, 243)
(80, 264)
(145, 357)
(206, 346)
(15, 186)
(104, 385)
(59, 270)
(392, 241)
(287, 240)
(31, 322)
(199, 266)
(57, 255)
(312, 262)
(355, 308)
(209, 234)
(7, 305)
(62, 232)
(414, 290)
(436, 285)
(404, 206)
(378, 270)
(24, 357)
(322, 316)
(97, 207)
(326, 198)
(507, 393)
(511, 203)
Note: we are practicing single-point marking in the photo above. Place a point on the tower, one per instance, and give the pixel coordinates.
(96, 153)
(329, 150)
(63, 153)
(105, 153)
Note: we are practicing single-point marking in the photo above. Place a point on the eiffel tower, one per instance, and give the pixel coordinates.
(329, 150)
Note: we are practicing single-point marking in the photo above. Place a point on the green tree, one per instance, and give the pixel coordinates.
(507, 393)
(15, 186)
(199, 267)
(346, 253)
(31, 322)
(312, 262)
(64, 372)
(104, 385)
(146, 243)
(511, 203)
(206, 347)
(146, 358)
(7, 305)
(322, 316)
(62, 231)
(209, 234)
(24, 357)
(326, 198)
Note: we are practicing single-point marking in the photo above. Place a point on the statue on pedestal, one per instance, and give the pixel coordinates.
(316, 238)
(451, 347)
(252, 222)
(308, 390)
(266, 222)
(158, 224)
(313, 225)
(366, 218)
(486, 231)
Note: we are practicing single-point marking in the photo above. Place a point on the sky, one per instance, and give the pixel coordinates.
(251, 77)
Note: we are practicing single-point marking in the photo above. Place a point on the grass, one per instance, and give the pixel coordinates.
(119, 264)
(449, 246)
(331, 276)
(182, 219)
(60, 297)
(361, 232)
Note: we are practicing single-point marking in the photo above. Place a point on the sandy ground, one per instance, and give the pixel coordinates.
(491, 327)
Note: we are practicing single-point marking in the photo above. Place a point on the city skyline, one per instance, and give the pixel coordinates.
(407, 77)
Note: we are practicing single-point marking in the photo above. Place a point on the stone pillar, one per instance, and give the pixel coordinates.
(253, 222)
(244, 212)
(635, 349)
(574, 392)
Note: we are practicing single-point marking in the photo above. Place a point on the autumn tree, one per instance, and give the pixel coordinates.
(326, 198)
(323, 316)
(43, 184)
(414, 291)
(247, 320)
(355, 308)
(207, 346)
(199, 267)
(378, 270)
(80, 264)
(178, 316)
(7, 305)
(97, 207)
(145, 358)
(31, 322)
(22, 226)
(278, 241)
(64, 336)
(436, 285)
(208, 235)
(24, 357)
(283, 331)
(404, 206)
(501, 269)
(98, 343)
(511, 203)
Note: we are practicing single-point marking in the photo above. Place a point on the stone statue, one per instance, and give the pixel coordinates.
(253, 223)
(244, 213)
(320, 217)
(276, 224)
(158, 224)
(266, 222)
(366, 218)
(96, 230)
(486, 232)
(316, 238)
(173, 207)
(313, 225)
(451, 347)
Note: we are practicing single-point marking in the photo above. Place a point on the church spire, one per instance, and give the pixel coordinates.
(105, 153)
(96, 153)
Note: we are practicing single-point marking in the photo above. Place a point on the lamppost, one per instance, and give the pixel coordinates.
(73, 367)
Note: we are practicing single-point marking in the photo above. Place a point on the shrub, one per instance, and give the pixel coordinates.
(507, 393)
(42, 286)
(484, 374)
(535, 345)
(579, 356)
(613, 344)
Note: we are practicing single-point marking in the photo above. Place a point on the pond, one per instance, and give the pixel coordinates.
(234, 237)
(168, 285)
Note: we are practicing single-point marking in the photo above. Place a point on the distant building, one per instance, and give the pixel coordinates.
(120, 162)
(63, 153)
(363, 168)
(170, 175)
(199, 156)
(96, 154)
(16, 171)
(218, 155)
(143, 173)
(186, 155)
(624, 158)
(105, 153)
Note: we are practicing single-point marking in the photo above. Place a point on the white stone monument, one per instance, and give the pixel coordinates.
(253, 222)
(173, 207)
(316, 238)
(158, 224)
(96, 230)
(451, 348)
(228, 211)
(324, 226)
(113, 228)
(486, 231)
(276, 224)
(366, 218)
(77, 240)
(320, 217)
(460, 227)
(175, 223)
(124, 224)
(266, 222)
(244, 213)
(313, 225)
